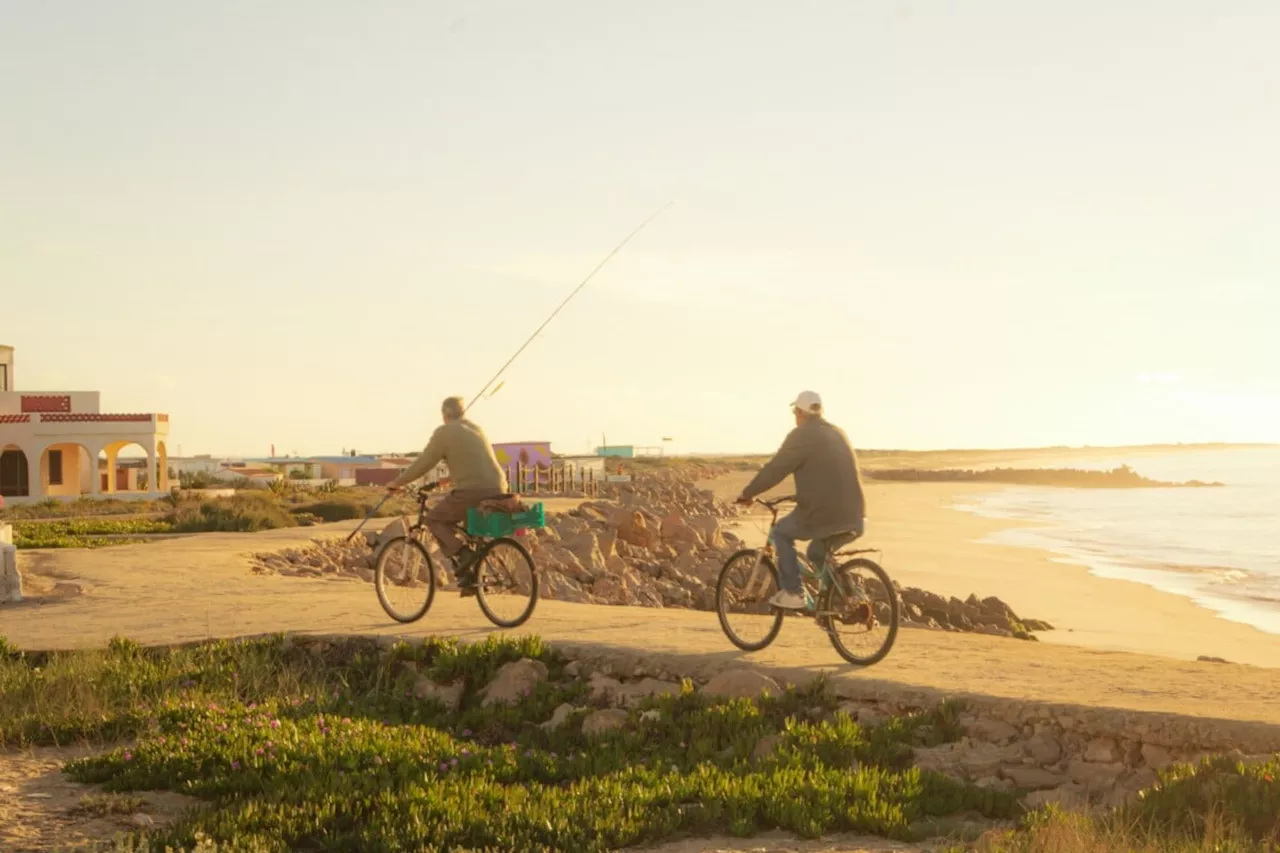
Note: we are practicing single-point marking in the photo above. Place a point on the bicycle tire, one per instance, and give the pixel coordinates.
(895, 608)
(380, 579)
(482, 598)
(721, 602)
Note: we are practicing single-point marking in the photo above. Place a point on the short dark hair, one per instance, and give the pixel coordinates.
(452, 407)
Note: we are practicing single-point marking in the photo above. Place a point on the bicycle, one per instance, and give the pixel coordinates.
(835, 595)
(500, 564)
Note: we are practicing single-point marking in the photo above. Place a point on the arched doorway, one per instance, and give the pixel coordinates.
(15, 474)
(126, 467)
(66, 470)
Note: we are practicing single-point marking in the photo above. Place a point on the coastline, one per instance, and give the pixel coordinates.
(929, 542)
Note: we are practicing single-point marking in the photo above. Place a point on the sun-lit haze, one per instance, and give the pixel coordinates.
(966, 224)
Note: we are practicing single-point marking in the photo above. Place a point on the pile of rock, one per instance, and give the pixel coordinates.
(658, 541)
(981, 616)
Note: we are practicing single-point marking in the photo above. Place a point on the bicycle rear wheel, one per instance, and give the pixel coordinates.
(506, 583)
(860, 612)
(742, 600)
(405, 579)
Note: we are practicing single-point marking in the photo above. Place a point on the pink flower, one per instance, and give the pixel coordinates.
(275, 724)
(235, 765)
(128, 756)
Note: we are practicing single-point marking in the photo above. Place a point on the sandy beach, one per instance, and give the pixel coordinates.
(1118, 644)
(927, 543)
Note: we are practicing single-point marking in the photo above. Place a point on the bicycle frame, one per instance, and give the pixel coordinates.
(822, 575)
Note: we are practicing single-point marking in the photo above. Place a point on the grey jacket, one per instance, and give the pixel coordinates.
(829, 496)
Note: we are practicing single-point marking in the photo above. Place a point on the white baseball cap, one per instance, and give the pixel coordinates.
(808, 401)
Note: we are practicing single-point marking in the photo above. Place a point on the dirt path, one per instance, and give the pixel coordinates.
(42, 810)
(201, 587)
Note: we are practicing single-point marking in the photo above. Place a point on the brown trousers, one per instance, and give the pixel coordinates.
(443, 518)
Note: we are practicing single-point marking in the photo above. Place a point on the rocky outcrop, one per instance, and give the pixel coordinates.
(657, 541)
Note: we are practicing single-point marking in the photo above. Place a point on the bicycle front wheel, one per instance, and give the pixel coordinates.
(860, 612)
(506, 583)
(747, 582)
(405, 579)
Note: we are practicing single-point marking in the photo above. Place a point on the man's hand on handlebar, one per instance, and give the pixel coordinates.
(743, 500)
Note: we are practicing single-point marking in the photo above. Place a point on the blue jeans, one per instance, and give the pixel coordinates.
(784, 536)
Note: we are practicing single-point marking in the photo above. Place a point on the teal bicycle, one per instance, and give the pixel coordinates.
(852, 600)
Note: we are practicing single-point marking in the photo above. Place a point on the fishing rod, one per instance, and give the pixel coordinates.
(560, 307)
(545, 323)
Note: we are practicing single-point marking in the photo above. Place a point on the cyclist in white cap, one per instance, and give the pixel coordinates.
(829, 499)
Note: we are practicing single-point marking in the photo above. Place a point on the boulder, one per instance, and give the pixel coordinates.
(1156, 757)
(766, 747)
(676, 529)
(741, 683)
(992, 731)
(514, 682)
(1043, 749)
(448, 695)
(1103, 750)
(708, 527)
(559, 717)
(1069, 796)
(607, 720)
(633, 530)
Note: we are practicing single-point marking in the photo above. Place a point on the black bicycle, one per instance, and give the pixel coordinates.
(855, 595)
(506, 580)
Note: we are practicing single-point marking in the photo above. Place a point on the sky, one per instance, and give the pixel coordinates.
(981, 224)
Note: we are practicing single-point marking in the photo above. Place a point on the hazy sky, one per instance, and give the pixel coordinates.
(965, 224)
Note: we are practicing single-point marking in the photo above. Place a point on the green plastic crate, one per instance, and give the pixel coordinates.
(495, 524)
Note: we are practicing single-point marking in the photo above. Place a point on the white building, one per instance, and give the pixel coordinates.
(51, 442)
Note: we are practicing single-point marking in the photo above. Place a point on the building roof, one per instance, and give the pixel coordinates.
(350, 460)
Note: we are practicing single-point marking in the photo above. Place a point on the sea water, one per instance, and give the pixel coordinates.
(1219, 547)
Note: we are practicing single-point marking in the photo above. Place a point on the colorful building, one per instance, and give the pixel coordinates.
(61, 444)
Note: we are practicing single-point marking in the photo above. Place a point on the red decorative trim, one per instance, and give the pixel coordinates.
(46, 403)
(94, 419)
(15, 419)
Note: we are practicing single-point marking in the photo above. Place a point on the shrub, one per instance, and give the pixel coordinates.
(244, 513)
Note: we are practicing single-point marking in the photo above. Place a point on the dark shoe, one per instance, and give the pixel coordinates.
(464, 572)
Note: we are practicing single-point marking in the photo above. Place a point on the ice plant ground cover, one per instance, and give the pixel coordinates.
(295, 746)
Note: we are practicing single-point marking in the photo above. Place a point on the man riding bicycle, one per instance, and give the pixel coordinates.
(476, 477)
(829, 498)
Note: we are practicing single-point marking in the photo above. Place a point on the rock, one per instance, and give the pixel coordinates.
(1156, 757)
(609, 589)
(448, 695)
(586, 548)
(599, 722)
(1043, 749)
(633, 530)
(365, 575)
(573, 668)
(1032, 778)
(559, 717)
(1103, 750)
(708, 527)
(1068, 796)
(676, 529)
(514, 682)
(66, 590)
(391, 531)
(741, 683)
(1095, 776)
(1208, 659)
(142, 820)
(557, 587)
(992, 731)
(766, 746)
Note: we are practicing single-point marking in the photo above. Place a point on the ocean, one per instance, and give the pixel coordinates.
(1219, 547)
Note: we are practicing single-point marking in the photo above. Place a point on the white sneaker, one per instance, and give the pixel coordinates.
(788, 600)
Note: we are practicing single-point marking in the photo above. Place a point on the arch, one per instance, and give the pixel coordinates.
(66, 470)
(15, 472)
(119, 477)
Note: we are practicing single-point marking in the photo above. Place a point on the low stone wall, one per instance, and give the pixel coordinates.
(1073, 755)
